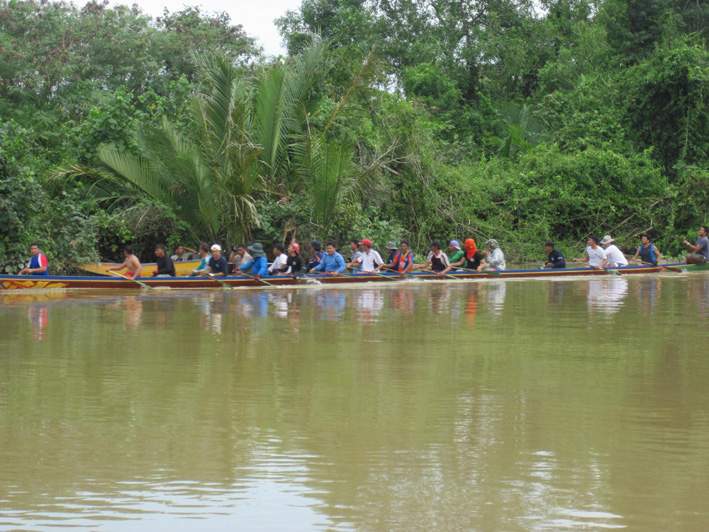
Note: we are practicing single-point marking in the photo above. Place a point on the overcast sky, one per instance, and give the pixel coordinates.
(255, 16)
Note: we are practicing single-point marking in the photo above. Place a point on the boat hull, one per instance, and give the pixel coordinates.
(19, 282)
(182, 269)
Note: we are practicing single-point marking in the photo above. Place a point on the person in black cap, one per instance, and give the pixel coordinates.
(556, 258)
(316, 254)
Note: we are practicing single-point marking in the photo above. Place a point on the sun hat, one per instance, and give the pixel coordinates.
(257, 250)
(493, 243)
(606, 240)
(455, 244)
(390, 245)
(367, 242)
(216, 247)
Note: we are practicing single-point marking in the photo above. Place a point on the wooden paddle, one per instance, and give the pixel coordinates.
(134, 280)
(489, 272)
(226, 285)
(264, 282)
(451, 276)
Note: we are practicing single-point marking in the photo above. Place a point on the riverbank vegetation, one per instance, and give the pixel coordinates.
(521, 121)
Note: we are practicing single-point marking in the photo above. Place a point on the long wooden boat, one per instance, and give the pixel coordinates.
(26, 282)
(101, 268)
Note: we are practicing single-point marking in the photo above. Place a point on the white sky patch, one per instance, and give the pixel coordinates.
(255, 16)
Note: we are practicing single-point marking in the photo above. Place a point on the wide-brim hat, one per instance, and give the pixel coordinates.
(391, 245)
(257, 250)
(606, 240)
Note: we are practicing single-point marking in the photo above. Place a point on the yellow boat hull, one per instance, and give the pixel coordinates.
(181, 268)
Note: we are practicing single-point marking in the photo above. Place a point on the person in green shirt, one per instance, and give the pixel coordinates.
(204, 253)
(455, 252)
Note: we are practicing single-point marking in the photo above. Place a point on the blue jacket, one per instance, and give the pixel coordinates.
(258, 266)
(331, 264)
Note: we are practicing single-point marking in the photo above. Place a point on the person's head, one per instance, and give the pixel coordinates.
(593, 241)
(549, 246)
(492, 244)
(315, 246)
(703, 230)
(391, 246)
(128, 251)
(404, 246)
(241, 249)
(278, 249)
(645, 240)
(34, 248)
(294, 249)
(180, 249)
(366, 244)
(606, 241)
(203, 249)
(216, 250)
(453, 245)
(330, 248)
(160, 251)
(435, 246)
(354, 245)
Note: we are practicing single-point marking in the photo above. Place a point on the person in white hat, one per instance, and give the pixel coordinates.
(218, 266)
(616, 259)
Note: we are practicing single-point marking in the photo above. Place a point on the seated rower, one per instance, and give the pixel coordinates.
(259, 264)
(279, 259)
(401, 261)
(391, 250)
(202, 268)
(181, 254)
(332, 263)
(356, 254)
(294, 262)
(700, 255)
(615, 256)
(436, 260)
(217, 265)
(472, 258)
(370, 258)
(316, 254)
(555, 259)
(38, 265)
(494, 258)
(238, 256)
(455, 252)
(595, 255)
(130, 263)
(164, 264)
(647, 252)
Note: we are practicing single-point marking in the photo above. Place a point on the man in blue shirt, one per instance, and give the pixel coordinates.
(39, 265)
(258, 264)
(332, 263)
(217, 266)
(555, 258)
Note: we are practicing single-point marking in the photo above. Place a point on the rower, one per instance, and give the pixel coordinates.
(204, 253)
(555, 259)
(130, 263)
(595, 255)
(701, 250)
(181, 253)
(165, 266)
(38, 265)
(455, 252)
(332, 263)
(616, 259)
(259, 264)
(356, 254)
(239, 256)
(401, 261)
(494, 258)
(294, 262)
(391, 250)
(316, 254)
(647, 252)
(279, 259)
(472, 258)
(217, 265)
(436, 260)
(370, 258)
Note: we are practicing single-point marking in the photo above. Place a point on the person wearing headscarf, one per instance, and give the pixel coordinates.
(494, 258)
(472, 258)
(259, 263)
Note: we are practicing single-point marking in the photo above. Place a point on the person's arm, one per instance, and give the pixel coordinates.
(658, 255)
(410, 265)
(585, 259)
(222, 271)
(340, 264)
(483, 265)
(602, 264)
(247, 265)
(454, 264)
(116, 268)
(693, 248)
(319, 267)
(190, 249)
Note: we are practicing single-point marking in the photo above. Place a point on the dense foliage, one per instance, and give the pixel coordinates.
(521, 121)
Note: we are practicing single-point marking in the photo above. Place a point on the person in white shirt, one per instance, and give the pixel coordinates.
(615, 256)
(595, 255)
(279, 260)
(369, 259)
(494, 257)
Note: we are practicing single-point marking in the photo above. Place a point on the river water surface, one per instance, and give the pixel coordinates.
(485, 406)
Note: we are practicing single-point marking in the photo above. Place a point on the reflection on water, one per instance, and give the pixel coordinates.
(496, 405)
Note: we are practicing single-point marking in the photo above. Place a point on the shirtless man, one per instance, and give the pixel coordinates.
(131, 263)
